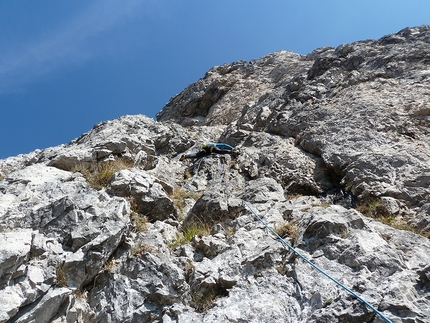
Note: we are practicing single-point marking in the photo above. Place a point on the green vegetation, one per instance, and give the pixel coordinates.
(374, 208)
(189, 232)
(400, 225)
(99, 174)
(325, 203)
(328, 302)
(179, 196)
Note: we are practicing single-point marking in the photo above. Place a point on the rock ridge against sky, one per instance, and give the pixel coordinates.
(68, 65)
(333, 154)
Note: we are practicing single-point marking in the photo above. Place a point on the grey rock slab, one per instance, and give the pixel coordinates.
(148, 193)
(14, 252)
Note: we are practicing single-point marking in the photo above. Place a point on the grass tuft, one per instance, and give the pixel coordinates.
(188, 233)
(109, 265)
(61, 278)
(180, 195)
(99, 174)
(373, 207)
(287, 229)
(203, 302)
(140, 222)
(140, 249)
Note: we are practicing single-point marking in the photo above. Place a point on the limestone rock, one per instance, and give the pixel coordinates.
(212, 207)
(148, 193)
(263, 190)
(332, 154)
(15, 251)
(46, 308)
(219, 97)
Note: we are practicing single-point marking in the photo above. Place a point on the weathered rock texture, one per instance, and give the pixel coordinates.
(333, 154)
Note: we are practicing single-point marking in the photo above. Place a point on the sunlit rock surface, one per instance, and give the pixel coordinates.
(333, 155)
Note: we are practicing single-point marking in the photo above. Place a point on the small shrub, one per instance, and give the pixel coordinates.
(229, 231)
(374, 208)
(348, 186)
(326, 204)
(188, 269)
(190, 232)
(401, 225)
(389, 220)
(81, 168)
(280, 268)
(181, 194)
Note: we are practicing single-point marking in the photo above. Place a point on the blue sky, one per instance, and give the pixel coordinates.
(67, 65)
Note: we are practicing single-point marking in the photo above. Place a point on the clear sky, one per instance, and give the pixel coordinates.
(67, 65)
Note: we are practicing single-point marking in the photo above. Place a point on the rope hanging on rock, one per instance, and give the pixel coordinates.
(313, 265)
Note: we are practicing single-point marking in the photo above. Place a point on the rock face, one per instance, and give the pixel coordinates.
(333, 155)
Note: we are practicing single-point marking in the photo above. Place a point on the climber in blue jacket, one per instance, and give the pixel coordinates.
(209, 148)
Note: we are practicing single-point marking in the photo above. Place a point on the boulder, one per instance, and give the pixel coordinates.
(148, 193)
(213, 207)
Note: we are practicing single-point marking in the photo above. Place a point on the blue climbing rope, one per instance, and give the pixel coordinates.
(313, 265)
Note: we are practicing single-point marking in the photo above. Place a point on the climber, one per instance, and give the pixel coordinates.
(211, 147)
